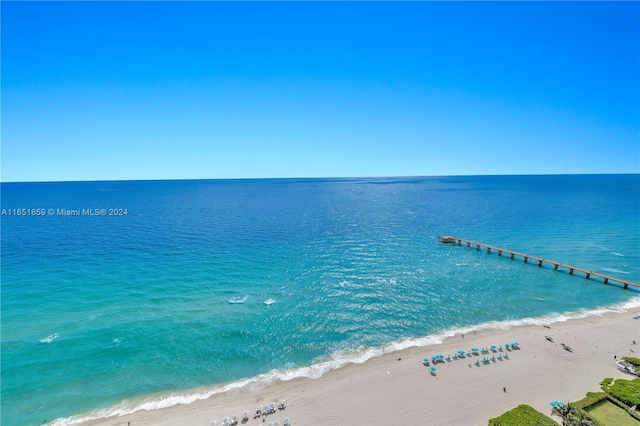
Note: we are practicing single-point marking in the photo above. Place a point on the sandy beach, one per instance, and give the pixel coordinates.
(397, 388)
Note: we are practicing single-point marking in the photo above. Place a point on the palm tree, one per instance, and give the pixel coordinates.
(579, 418)
(562, 411)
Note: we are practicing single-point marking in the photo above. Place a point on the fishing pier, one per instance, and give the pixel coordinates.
(450, 239)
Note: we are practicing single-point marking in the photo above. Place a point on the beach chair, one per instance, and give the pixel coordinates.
(500, 357)
(506, 356)
(282, 405)
(477, 362)
(448, 358)
(493, 358)
(245, 416)
(286, 422)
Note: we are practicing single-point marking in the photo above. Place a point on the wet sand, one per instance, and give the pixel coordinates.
(397, 388)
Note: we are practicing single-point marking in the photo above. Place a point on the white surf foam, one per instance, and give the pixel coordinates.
(331, 362)
(269, 302)
(615, 271)
(239, 299)
(617, 254)
(50, 338)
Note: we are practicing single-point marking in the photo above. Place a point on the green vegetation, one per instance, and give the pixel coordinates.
(590, 400)
(634, 361)
(607, 413)
(571, 415)
(607, 381)
(611, 407)
(626, 391)
(522, 415)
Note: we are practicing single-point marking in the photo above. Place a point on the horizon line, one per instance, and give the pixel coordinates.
(320, 177)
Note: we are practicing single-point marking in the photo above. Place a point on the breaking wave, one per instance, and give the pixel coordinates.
(331, 362)
(50, 338)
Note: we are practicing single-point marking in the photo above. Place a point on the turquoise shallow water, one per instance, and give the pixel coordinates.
(105, 314)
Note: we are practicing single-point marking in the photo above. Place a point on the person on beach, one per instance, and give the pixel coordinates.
(504, 389)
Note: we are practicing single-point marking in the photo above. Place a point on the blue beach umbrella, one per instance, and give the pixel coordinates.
(461, 352)
(474, 349)
(432, 369)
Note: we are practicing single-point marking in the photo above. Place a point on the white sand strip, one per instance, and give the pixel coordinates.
(397, 389)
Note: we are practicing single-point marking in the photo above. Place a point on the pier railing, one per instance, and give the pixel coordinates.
(450, 239)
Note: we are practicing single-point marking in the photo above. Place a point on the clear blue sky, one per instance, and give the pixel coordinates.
(164, 90)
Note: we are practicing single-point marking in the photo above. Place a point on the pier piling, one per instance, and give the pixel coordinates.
(450, 239)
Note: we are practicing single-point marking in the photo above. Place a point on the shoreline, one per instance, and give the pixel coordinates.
(397, 388)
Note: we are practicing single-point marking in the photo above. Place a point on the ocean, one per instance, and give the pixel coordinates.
(128, 295)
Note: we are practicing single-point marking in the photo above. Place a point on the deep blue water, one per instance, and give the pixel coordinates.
(169, 299)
